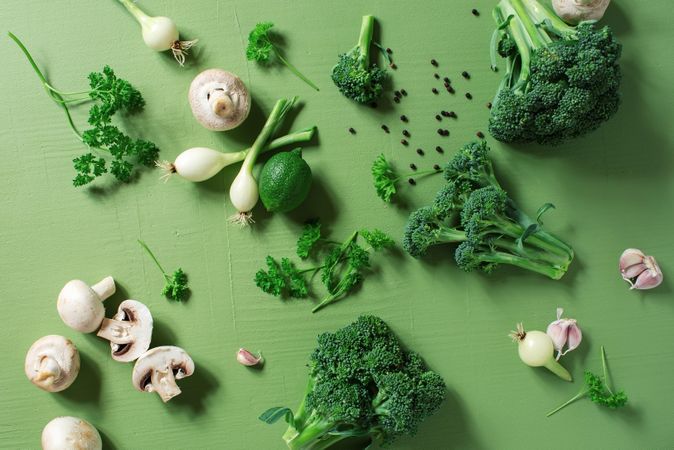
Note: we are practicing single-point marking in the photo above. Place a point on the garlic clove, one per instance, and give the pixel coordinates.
(650, 278)
(557, 331)
(632, 271)
(575, 336)
(631, 257)
(246, 358)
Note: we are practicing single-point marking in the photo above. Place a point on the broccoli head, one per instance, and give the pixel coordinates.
(354, 75)
(561, 81)
(361, 384)
(473, 211)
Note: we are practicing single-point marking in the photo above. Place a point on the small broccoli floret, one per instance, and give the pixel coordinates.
(474, 211)
(361, 384)
(354, 75)
(561, 81)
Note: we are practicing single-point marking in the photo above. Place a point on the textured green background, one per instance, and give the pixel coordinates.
(613, 189)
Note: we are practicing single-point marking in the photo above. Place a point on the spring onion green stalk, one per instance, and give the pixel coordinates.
(201, 163)
(244, 192)
(160, 33)
(536, 349)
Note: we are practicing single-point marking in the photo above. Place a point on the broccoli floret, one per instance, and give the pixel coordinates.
(475, 212)
(354, 75)
(561, 81)
(361, 384)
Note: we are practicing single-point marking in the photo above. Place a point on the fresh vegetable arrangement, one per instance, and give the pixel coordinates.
(560, 81)
(111, 95)
(361, 384)
(175, 287)
(160, 33)
(342, 268)
(472, 210)
(598, 390)
(354, 75)
(262, 49)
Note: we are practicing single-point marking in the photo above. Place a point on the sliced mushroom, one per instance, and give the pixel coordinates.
(219, 99)
(81, 306)
(52, 363)
(129, 331)
(70, 433)
(159, 368)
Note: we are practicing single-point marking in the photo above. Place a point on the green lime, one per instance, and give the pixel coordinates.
(285, 181)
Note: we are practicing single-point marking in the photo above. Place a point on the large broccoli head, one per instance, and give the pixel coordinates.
(557, 87)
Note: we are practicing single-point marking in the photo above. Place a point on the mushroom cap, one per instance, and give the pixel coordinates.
(70, 433)
(80, 307)
(164, 358)
(52, 354)
(219, 99)
(139, 320)
(574, 11)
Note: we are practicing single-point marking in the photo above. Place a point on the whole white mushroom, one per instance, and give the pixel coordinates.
(70, 433)
(81, 306)
(219, 99)
(52, 363)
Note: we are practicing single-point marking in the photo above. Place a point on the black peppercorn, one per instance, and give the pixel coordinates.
(434, 62)
(404, 118)
(352, 131)
(469, 96)
(385, 128)
(465, 74)
(406, 133)
(439, 149)
(435, 91)
(404, 92)
(412, 182)
(420, 152)
(413, 166)
(404, 142)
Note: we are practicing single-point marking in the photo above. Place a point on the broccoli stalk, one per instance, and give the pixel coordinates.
(472, 210)
(361, 384)
(353, 74)
(560, 81)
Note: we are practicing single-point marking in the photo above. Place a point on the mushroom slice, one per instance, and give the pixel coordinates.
(70, 433)
(129, 331)
(52, 363)
(219, 99)
(159, 368)
(81, 306)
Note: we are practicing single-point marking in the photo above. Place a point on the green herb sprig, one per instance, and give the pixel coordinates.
(175, 287)
(261, 49)
(342, 268)
(110, 95)
(386, 179)
(598, 390)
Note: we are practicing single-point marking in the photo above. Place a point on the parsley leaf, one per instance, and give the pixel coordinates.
(385, 179)
(175, 286)
(311, 234)
(281, 280)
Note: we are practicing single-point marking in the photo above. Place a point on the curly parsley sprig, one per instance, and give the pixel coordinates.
(175, 286)
(342, 268)
(110, 95)
(386, 179)
(598, 390)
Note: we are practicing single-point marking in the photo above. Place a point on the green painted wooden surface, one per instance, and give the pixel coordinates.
(613, 189)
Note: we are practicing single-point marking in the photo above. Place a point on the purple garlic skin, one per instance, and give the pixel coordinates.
(246, 358)
(639, 270)
(564, 331)
(576, 11)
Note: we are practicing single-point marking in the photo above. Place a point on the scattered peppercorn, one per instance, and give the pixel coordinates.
(413, 166)
(412, 182)
(441, 132)
(437, 77)
(436, 167)
(446, 80)
(389, 51)
(445, 132)
(404, 118)
(465, 74)
(469, 96)
(398, 94)
(439, 149)
(434, 62)
(385, 128)
(444, 113)
(438, 118)
(406, 133)
(435, 91)
(450, 89)
(352, 131)
(404, 142)
(452, 114)
(489, 105)
(475, 12)
(393, 66)
(480, 134)
(396, 99)
(420, 152)
(446, 84)
(404, 92)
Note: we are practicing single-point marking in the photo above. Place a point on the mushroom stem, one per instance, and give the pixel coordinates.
(104, 288)
(164, 384)
(222, 104)
(49, 371)
(116, 331)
